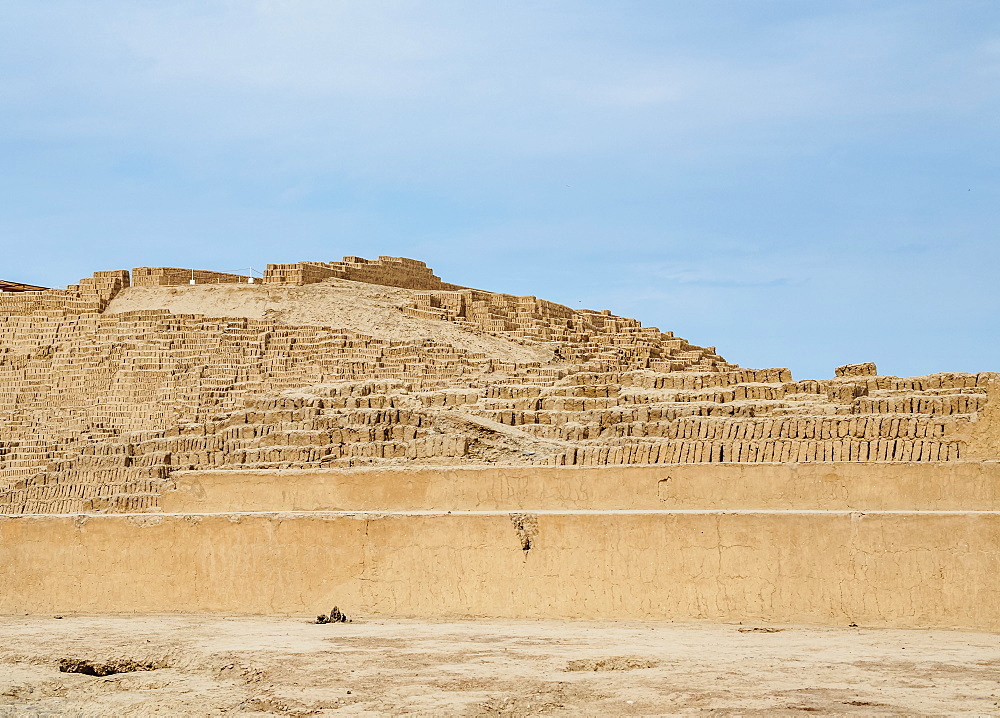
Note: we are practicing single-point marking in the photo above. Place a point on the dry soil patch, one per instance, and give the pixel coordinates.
(289, 666)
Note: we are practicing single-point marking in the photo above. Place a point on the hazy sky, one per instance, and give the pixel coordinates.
(798, 183)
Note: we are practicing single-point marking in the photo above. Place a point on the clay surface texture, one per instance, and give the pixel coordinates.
(359, 434)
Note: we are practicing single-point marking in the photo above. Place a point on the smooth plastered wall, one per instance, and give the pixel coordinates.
(897, 569)
(834, 486)
(913, 545)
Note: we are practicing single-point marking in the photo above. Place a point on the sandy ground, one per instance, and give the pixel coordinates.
(370, 309)
(287, 666)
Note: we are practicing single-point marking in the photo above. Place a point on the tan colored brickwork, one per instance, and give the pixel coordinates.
(90, 295)
(97, 410)
(607, 341)
(390, 271)
(173, 276)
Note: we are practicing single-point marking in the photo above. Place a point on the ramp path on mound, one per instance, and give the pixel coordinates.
(371, 309)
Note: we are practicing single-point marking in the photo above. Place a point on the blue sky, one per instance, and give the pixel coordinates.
(800, 184)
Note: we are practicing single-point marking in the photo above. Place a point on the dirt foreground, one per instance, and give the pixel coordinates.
(287, 666)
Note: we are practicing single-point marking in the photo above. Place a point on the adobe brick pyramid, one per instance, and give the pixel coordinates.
(110, 385)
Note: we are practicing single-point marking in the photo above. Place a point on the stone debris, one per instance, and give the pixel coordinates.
(106, 668)
(616, 663)
(336, 616)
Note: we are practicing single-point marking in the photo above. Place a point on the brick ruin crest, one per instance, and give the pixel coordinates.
(110, 385)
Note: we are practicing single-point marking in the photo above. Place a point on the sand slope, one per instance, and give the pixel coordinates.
(369, 309)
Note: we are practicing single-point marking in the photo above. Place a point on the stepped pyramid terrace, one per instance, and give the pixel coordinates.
(361, 433)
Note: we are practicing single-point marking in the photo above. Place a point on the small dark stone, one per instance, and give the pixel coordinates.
(336, 616)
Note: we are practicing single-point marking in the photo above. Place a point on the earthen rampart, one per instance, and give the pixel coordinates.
(98, 410)
(493, 546)
(458, 452)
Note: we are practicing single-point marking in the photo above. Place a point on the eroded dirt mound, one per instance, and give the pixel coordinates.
(358, 307)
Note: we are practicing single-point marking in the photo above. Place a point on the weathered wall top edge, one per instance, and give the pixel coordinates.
(486, 468)
(149, 520)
